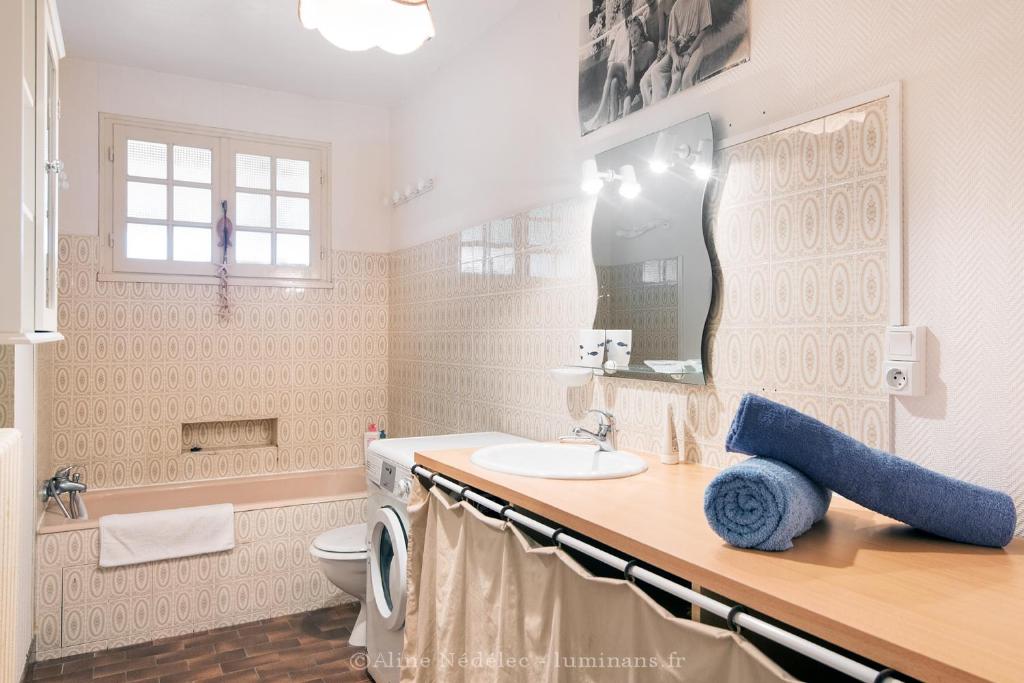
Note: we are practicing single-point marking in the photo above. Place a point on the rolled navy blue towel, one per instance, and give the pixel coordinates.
(877, 480)
(763, 504)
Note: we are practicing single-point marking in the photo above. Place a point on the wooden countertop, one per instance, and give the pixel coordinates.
(935, 610)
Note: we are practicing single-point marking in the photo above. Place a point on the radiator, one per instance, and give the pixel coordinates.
(16, 556)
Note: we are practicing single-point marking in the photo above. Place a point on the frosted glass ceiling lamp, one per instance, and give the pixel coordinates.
(395, 26)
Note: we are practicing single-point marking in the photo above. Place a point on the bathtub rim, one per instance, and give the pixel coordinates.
(64, 524)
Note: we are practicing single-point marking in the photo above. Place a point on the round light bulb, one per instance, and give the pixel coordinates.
(628, 185)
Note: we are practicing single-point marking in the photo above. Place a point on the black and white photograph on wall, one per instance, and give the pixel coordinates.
(635, 53)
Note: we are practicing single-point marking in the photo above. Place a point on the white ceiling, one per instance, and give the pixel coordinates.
(261, 43)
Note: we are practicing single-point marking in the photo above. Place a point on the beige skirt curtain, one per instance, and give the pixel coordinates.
(486, 603)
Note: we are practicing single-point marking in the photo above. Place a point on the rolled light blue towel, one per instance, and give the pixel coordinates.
(877, 480)
(763, 504)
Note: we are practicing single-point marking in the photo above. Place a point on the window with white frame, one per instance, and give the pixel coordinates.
(166, 187)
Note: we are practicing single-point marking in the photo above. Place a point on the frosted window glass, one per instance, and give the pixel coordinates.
(147, 200)
(252, 171)
(292, 250)
(192, 204)
(252, 210)
(252, 247)
(193, 164)
(146, 242)
(293, 175)
(192, 244)
(293, 213)
(651, 271)
(671, 270)
(147, 159)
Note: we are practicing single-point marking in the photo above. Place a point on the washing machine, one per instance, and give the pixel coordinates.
(389, 483)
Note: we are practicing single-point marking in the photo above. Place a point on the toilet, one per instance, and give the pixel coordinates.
(342, 555)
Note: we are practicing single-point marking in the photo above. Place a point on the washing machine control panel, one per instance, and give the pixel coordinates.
(389, 476)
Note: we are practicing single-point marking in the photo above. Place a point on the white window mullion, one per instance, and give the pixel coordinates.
(170, 202)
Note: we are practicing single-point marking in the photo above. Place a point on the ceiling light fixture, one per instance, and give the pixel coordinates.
(395, 26)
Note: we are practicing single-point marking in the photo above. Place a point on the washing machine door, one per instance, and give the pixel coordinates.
(388, 560)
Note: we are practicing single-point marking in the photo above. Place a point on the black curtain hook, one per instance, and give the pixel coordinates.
(730, 618)
(884, 674)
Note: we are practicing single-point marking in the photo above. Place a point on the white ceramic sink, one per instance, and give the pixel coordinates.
(558, 461)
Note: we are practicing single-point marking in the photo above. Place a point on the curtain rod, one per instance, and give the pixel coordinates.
(734, 615)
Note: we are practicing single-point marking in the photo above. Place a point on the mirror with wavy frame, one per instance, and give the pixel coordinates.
(649, 250)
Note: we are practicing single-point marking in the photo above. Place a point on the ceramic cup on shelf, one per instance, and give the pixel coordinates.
(618, 345)
(590, 348)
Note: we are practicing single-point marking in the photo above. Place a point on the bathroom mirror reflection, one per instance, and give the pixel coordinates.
(653, 267)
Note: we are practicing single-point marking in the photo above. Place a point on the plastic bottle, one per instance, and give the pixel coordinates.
(371, 435)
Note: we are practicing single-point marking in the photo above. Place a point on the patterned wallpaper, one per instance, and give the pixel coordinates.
(797, 221)
(140, 360)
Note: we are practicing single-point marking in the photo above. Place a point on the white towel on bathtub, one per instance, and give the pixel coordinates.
(165, 534)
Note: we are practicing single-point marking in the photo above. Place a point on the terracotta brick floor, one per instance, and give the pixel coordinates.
(302, 647)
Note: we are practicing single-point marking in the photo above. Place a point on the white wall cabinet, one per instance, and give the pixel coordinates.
(31, 47)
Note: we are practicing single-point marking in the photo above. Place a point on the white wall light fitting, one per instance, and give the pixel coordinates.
(667, 154)
(594, 179)
(628, 185)
(395, 26)
(665, 150)
(423, 186)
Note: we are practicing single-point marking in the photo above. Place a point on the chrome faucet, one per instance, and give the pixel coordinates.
(602, 437)
(64, 481)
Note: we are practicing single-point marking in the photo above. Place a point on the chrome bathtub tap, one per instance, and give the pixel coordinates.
(64, 480)
(602, 438)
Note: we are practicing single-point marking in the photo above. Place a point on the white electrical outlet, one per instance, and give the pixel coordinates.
(904, 378)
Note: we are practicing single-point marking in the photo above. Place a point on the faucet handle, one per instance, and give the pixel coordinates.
(63, 472)
(605, 420)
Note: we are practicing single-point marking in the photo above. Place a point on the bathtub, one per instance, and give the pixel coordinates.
(245, 493)
(81, 607)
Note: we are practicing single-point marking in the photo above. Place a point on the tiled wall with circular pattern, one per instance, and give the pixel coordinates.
(797, 221)
(139, 360)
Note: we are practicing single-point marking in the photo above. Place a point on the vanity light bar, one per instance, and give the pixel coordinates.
(733, 614)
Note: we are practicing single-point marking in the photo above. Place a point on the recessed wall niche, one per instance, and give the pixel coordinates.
(228, 434)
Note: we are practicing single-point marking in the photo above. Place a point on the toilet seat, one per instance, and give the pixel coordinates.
(344, 543)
